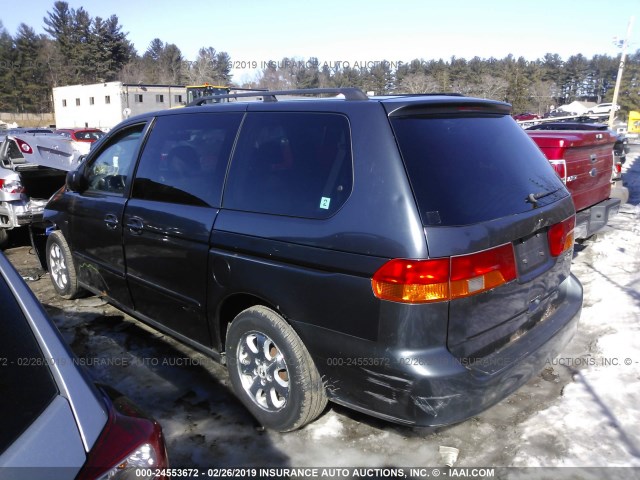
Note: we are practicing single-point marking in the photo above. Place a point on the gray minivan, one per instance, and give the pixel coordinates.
(407, 256)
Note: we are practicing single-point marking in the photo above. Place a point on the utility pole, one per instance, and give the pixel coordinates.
(612, 113)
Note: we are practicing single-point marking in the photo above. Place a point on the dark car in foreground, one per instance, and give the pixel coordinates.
(407, 256)
(56, 424)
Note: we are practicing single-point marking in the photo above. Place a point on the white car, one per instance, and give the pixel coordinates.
(603, 108)
(33, 166)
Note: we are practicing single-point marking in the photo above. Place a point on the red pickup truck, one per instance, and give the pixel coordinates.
(584, 161)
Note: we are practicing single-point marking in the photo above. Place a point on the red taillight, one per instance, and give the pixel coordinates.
(24, 146)
(616, 170)
(478, 272)
(128, 442)
(412, 281)
(442, 279)
(560, 166)
(561, 236)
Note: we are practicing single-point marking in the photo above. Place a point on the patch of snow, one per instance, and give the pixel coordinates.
(595, 422)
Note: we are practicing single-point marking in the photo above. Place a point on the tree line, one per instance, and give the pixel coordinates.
(80, 49)
(533, 86)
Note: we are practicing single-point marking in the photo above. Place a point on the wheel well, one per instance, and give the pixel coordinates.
(232, 306)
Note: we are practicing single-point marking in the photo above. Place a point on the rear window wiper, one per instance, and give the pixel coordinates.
(533, 198)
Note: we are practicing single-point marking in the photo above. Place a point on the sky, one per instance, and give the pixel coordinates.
(254, 32)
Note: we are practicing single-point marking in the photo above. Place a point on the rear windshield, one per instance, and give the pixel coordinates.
(466, 169)
(25, 380)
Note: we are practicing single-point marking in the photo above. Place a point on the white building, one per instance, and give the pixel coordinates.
(103, 105)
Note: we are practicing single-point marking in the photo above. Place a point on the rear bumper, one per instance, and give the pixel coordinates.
(592, 219)
(431, 387)
(18, 213)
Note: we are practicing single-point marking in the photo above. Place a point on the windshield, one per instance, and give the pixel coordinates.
(471, 168)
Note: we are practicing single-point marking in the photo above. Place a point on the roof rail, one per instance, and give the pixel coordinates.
(350, 93)
(433, 94)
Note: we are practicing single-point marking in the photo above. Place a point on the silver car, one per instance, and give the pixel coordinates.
(33, 165)
(55, 422)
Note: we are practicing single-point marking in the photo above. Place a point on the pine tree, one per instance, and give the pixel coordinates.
(7, 70)
(32, 93)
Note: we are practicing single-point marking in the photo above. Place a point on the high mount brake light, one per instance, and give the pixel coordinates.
(442, 279)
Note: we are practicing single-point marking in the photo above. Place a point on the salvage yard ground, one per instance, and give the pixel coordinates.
(582, 410)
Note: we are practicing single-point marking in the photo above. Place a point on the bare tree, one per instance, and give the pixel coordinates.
(418, 83)
(490, 86)
(542, 94)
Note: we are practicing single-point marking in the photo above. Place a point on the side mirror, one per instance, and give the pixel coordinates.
(76, 182)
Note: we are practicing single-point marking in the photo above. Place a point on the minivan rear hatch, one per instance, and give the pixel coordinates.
(486, 195)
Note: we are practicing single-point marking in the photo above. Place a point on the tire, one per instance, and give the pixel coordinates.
(272, 372)
(62, 269)
(4, 238)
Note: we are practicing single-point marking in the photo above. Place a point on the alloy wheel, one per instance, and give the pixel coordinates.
(263, 371)
(58, 267)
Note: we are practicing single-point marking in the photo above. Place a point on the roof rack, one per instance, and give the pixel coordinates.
(350, 93)
(434, 94)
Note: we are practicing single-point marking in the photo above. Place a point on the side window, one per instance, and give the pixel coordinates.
(289, 163)
(185, 159)
(111, 169)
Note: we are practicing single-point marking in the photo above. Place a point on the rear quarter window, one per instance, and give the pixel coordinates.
(466, 169)
(293, 164)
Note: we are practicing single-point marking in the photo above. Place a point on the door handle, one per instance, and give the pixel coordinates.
(135, 225)
(111, 221)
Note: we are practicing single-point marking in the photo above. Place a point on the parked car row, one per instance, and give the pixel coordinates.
(387, 254)
(33, 165)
